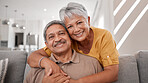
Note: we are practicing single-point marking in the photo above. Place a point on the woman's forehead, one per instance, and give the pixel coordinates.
(73, 18)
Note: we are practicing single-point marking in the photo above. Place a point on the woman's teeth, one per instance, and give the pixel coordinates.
(79, 34)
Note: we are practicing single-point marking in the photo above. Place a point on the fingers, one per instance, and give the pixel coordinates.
(60, 78)
(56, 75)
(64, 79)
(63, 73)
(54, 67)
(67, 81)
(49, 73)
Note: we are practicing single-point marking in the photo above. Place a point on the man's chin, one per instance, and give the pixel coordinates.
(58, 51)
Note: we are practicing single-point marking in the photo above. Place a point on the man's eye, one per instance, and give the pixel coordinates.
(50, 37)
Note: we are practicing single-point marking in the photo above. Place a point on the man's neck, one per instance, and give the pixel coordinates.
(64, 56)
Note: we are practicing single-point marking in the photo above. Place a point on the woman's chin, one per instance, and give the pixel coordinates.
(79, 39)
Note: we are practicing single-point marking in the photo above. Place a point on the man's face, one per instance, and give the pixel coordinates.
(57, 38)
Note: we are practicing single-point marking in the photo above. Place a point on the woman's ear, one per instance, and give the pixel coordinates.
(89, 20)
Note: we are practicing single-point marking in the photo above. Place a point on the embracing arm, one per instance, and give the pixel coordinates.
(110, 74)
(33, 61)
(35, 56)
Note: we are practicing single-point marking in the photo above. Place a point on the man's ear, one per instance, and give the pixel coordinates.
(46, 43)
(89, 20)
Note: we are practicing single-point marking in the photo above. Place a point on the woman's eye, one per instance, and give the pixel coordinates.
(69, 27)
(61, 33)
(79, 22)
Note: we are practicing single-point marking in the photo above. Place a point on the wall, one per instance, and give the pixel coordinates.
(3, 32)
(7, 32)
(133, 25)
(103, 15)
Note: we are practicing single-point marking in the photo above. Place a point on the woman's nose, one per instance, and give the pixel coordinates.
(76, 29)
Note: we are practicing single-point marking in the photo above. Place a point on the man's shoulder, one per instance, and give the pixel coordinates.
(35, 75)
(91, 62)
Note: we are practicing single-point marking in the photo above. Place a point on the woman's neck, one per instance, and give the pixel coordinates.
(86, 44)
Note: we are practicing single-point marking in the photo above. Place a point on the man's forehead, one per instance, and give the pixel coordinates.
(55, 28)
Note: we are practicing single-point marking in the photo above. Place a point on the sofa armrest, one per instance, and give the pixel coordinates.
(128, 72)
(16, 65)
(142, 61)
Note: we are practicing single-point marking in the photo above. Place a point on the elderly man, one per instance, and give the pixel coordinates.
(74, 64)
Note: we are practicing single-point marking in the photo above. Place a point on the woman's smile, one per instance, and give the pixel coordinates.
(79, 34)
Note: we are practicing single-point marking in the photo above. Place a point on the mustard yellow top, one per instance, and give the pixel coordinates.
(103, 48)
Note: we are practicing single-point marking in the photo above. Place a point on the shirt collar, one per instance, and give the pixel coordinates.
(75, 58)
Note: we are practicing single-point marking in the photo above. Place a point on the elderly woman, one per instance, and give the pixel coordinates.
(87, 40)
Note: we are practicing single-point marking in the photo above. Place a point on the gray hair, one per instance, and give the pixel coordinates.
(73, 8)
(51, 23)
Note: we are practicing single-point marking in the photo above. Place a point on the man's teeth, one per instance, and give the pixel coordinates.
(59, 45)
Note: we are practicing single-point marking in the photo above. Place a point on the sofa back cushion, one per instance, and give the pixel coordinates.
(142, 60)
(128, 72)
(16, 65)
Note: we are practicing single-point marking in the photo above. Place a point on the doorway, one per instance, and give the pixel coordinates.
(19, 39)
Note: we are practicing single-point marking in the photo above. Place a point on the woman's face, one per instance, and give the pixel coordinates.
(78, 27)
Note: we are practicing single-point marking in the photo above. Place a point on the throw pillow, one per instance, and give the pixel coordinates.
(3, 69)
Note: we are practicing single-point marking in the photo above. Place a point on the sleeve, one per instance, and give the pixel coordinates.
(109, 54)
(29, 77)
(47, 50)
(35, 75)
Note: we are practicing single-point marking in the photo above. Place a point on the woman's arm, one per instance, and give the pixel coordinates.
(109, 75)
(33, 61)
(35, 56)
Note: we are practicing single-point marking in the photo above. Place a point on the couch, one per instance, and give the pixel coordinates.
(16, 65)
(133, 68)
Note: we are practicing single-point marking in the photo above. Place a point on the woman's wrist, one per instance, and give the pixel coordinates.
(44, 62)
(39, 64)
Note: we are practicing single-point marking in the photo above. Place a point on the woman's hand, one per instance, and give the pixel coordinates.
(55, 78)
(34, 58)
(48, 64)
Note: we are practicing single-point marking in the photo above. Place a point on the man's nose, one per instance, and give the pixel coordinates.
(57, 38)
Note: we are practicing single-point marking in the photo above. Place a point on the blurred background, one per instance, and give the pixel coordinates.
(22, 22)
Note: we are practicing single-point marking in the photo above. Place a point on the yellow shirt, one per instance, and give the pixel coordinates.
(103, 48)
